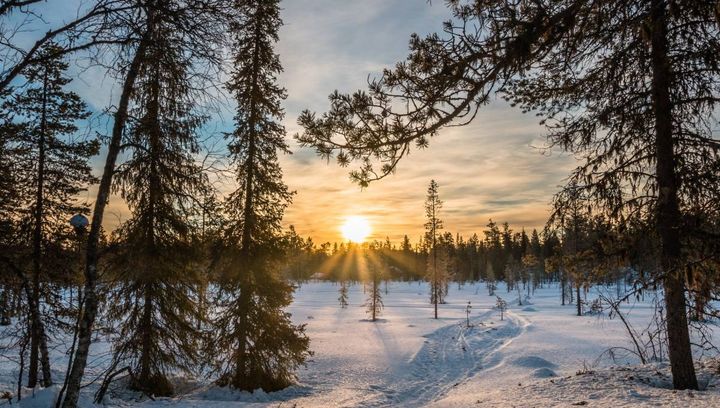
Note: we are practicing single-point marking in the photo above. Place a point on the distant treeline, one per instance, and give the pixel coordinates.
(607, 253)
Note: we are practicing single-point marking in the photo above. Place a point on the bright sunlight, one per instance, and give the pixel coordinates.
(355, 229)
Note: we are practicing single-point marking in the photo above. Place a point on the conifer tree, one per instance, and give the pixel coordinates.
(51, 169)
(297, 251)
(343, 299)
(374, 303)
(201, 24)
(8, 186)
(501, 305)
(9, 197)
(257, 344)
(536, 252)
(494, 246)
(155, 297)
(437, 257)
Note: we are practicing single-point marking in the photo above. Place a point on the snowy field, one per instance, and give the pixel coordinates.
(539, 355)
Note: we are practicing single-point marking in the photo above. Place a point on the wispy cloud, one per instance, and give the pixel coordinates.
(489, 169)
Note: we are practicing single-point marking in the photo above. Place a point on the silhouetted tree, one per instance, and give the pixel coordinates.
(155, 297)
(201, 24)
(343, 299)
(374, 303)
(52, 169)
(257, 344)
(437, 260)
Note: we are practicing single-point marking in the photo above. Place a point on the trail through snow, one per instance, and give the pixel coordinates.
(450, 356)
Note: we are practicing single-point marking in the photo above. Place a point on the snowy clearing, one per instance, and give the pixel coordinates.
(541, 354)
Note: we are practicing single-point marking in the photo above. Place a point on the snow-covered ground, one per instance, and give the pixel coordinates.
(539, 355)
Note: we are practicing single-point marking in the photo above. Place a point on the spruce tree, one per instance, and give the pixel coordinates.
(51, 170)
(374, 303)
(9, 197)
(437, 257)
(202, 26)
(257, 344)
(155, 297)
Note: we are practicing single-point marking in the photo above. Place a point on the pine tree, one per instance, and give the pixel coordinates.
(438, 275)
(343, 299)
(374, 303)
(155, 298)
(258, 345)
(201, 24)
(52, 170)
(501, 305)
(9, 199)
(437, 261)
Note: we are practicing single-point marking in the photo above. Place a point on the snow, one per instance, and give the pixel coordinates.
(539, 355)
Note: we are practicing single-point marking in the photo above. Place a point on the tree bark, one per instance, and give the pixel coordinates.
(91, 302)
(668, 215)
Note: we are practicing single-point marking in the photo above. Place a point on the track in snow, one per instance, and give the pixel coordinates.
(450, 356)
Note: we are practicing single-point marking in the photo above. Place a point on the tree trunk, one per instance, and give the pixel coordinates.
(435, 281)
(579, 302)
(155, 148)
(146, 327)
(38, 341)
(103, 194)
(668, 209)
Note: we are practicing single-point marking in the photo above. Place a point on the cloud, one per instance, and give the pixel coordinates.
(492, 168)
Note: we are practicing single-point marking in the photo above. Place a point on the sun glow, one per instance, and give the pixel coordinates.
(355, 229)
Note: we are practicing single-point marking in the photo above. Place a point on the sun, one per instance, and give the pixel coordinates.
(355, 229)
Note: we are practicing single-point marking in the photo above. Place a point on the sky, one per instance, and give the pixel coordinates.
(496, 167)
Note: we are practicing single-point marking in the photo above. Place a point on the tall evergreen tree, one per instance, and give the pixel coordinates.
(437, 257)
(155, 297)
(201, 24)
(258, 345)
(9, 198)
(52, 169)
